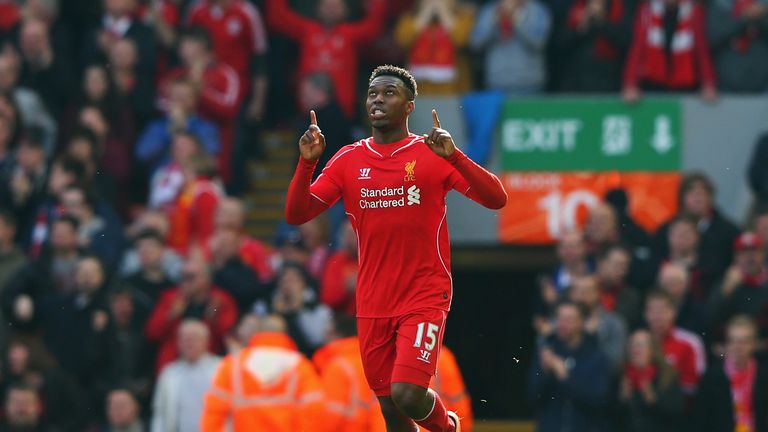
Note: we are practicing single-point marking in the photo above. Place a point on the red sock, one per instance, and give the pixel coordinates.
(437, 420)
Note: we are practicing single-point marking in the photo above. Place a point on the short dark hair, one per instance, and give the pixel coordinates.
(660, 295)
(149, 234)
(582, 309)
(87, 135)
(397, 72)
(606, 251)
(692, 179)
(199, 34)
(685, 218)
(89, 197)
(33, 136)
(68, 219)
(70, 165)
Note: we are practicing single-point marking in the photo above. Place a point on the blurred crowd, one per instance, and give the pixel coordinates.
(663, 331)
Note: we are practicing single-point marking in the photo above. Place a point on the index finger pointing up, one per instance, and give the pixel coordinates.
(435, 120)
(312, 117)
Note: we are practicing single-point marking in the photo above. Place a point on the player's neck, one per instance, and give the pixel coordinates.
(390, 136)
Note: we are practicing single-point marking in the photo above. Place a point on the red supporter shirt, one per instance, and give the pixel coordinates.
(394, 195)
(237, 32)
(684, 351)
(340, 269)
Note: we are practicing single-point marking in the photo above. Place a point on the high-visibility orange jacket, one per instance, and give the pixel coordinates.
(449, 384)
(350, 405)
(268, 386)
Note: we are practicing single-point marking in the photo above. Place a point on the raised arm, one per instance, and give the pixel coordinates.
(282, 19)
(483, 186)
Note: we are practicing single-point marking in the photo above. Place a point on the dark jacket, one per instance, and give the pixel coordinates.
(242, 283)
(757, 174)
(714, 404)
(745, 299)
(665, 415)
(576, 404)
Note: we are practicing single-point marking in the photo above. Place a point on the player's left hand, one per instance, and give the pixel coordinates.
(439, 140)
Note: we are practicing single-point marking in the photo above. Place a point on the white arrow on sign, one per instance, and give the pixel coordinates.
(662, 140)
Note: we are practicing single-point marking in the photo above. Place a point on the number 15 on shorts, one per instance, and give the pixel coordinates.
(432, 332)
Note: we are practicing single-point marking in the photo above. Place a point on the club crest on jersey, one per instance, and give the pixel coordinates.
(410, 167)
(365, 174)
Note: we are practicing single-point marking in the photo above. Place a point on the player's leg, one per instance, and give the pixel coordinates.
(419, 338)
(378, 349)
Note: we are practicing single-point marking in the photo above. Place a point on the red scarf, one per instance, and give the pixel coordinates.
(603, 47)
(742, 391)
(506, 23)
(678, 69)
(741, 42)
(639, 377)
(433, 56)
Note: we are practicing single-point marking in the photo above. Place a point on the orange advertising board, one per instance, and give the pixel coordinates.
(544, 204)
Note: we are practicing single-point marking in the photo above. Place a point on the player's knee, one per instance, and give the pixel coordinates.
(408, 397)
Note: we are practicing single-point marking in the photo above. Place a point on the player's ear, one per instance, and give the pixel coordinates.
(410, 107)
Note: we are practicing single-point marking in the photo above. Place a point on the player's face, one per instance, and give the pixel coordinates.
(387, 103)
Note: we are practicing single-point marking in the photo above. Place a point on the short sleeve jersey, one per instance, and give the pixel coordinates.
(394, 195)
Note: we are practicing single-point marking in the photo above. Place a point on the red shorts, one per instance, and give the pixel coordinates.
(401, 349)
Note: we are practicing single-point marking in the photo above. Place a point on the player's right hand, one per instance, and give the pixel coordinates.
(312, 143)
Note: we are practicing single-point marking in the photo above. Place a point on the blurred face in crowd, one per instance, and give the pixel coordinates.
(225, 244)
(569, 323)
(697, 200)
(18, 358)
(230, 214)
(601, 224)
(73, 201)
(183, 147)
(613, 267)
(22, 408)
(585, 292)
(63, 237)
(81, 149)
(673, 279)
(34, 38)
(94, 120)
(183, 96)
(640, 349)
(150, 252)
(95, 82)
(7, 232)
(571, 249)
(291, 283)
(741, 341)
(195, 278)
(683, 238)
(45, 10)
(314, 233)
(118, 8)
(122, 409)
(660, 315)
(192, 51)
(750, 260)
(349, 240)
(59, 179)
(9, 73)
(332, 12)
(193, 340)
(124, 55)
(89, 276)
(31, 158)
(121, 307)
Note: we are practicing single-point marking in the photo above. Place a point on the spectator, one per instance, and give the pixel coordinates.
(275, 367)
(163, 17)
(153, 277)
(166, 258)
(135, 88)
(296, 301)
(168, 180)
(697, 194)
(182, 385)
(30, 108)
(240, 41)
(97, 235)
(123, 413)
(339, 283)
(683, 239)
(650, 397)
(23, 182)
(568, 381)
(232, 274)
(435, 33)
(350, 405)
(674, 279)
(28, 365)
(156, 142)
(744, 290)
(669, 51)
(514, 35)
(12, 260)
(45, 70)
(737, 35)
(230, 214)
(195, 298)
(316, 92)
(449, 384)
(11, 14)
(590, 45)
(83, 146)
(131, 354)
(315, 235)
(192, 215)
(59, 28)
(22, 411)
(77, 331)
(637, 240)
(120, 22)
(615, 295)
(53, 273)
(734, 393)
(330, 44)
(682, 349)
(756, 176)
(608, 328)
(219, 86)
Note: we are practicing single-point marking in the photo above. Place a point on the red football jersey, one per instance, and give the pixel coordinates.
(394, 195)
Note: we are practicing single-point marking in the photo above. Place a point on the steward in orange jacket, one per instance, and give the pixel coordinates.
(267, 386)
